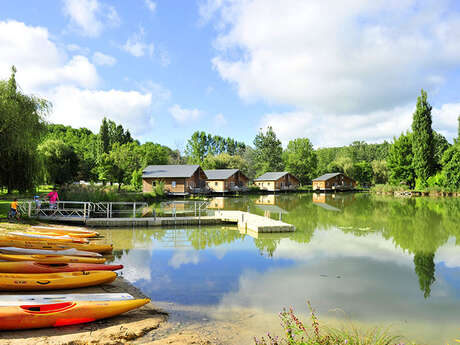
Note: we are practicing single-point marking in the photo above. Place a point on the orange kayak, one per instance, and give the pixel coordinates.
(52, 259)
(62, 230)
(54, 281)
(40, 267)
(43, 244)
(63, 314)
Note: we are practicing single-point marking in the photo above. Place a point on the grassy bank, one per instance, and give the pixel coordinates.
(296, 333)
(434, 191)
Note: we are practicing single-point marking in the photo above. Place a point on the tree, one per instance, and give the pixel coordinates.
(380, 171)
(400, 159)
(422, 142)
(440, 145)
(268, 152)
(362, 172)
(451, 166)
(60, 161)
(224, 161)
(197, 147)
(21, 128)
(300, 159)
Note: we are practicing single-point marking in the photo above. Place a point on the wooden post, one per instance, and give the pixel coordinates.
(30, 209)
(134, 210)
(84, 210)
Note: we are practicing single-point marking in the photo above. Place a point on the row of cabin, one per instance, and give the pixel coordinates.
(191, 179)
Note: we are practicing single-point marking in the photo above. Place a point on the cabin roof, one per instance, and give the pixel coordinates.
(163, 171)
(271, 176)
(328, 176)
(220, 174)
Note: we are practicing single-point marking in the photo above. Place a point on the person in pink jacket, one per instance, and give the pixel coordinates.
(53, 198)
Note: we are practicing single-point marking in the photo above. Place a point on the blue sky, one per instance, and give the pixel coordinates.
(331, 72)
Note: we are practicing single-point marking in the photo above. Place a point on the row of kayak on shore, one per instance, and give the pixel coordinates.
(49, 258)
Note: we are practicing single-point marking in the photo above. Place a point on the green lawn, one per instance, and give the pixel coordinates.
(4, 207)
(40, 190)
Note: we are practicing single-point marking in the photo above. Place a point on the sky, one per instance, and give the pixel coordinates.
(332, 71)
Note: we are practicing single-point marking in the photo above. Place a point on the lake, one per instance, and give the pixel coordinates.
(359, 258)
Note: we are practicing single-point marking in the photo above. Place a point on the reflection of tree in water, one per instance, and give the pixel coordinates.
(266, 246)
(425, 268)
(208, 238)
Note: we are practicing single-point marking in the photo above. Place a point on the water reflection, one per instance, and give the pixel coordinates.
(379, 259)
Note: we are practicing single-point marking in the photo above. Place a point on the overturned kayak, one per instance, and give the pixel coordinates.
(52, 259)
(62, 239)
(40, 267)
(44, 244)
(63, 314)
(30, 251)
(17, 300)
(54, 281)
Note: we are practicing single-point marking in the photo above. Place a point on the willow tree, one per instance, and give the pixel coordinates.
(21, 127)
(422, 141)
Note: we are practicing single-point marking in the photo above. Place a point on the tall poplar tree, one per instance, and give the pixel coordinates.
(268, 152)
(422, 141)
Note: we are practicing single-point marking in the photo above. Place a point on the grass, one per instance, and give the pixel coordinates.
(296, 333)
(41, 190)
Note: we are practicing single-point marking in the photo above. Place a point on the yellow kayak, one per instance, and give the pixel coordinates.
(63, 314)
(59, 239)
(50, 245)
(54, 281)
(52, 233)
(62, 230)
(52, 259)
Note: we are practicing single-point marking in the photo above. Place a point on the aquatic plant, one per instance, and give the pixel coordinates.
(296, 333)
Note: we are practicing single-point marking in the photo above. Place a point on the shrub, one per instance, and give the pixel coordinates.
(295, 333)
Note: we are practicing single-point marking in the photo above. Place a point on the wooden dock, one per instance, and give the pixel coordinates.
(244, 220)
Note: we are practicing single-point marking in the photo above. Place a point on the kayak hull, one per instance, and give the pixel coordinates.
(30, 251)
(17, 300)
(58, 239)
(52, 259)
(37, 267)
(50, 245)
(63, 314)
(54, 281)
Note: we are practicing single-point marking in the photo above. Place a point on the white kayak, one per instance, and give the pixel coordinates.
(17, 300)
(31, 251)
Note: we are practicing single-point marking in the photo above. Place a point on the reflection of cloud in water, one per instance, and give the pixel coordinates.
(136, 265)
(449, 254)
(184, 257)
(335, 243)
(220, 252)
(358, 276)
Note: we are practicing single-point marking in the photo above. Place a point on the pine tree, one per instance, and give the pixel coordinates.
(104, 136)
(422, 144)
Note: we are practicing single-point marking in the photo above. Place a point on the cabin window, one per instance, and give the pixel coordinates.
(215, 183)
(154, 183)
(173, 184)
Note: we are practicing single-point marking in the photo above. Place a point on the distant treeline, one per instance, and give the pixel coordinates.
(35, 152)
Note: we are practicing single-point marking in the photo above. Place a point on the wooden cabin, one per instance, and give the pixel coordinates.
(226, 180)
(178, 179)
(333, 181)
(277, 181)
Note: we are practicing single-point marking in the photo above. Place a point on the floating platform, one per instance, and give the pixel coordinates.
(244, 220)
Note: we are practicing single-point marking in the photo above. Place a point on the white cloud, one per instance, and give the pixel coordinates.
(182, 115)
(77, 107)
(150, 5)
(47, 66)
(340, 58)
(71, 82)
(103, 59)
(89, 17)
(136, 45)
(220, 121)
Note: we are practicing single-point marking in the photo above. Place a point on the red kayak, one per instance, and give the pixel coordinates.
(37, 267)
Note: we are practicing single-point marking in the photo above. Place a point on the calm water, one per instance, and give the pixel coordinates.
(357, 257)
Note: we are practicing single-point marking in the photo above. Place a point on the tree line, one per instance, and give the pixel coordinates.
(35, 152)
